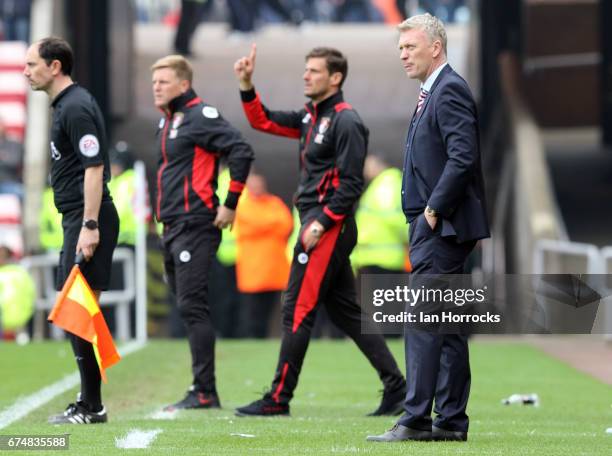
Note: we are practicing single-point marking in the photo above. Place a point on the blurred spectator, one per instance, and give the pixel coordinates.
(192, 12)
(17, 295)
(50, 224)
(402, 8)
(286, 13)
(15, 17)
(389, 9)
(308, 10)
(263, 226)
(293, 237)
(154, 10)
(11, 161)
(352, 11)
(445, 10)
(223, 294)
(241, 16)
(382, 237)
(245, 14)
(122, 187)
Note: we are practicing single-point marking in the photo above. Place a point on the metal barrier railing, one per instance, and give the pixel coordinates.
(606, 261)
(41, 267)
(596, 261)
(589, 252)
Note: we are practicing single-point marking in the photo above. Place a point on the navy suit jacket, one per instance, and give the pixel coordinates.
(442, 165)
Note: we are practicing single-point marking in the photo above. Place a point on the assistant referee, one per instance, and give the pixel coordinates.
(80, 171)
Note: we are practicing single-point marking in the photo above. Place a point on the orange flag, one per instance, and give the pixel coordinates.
(77, 311)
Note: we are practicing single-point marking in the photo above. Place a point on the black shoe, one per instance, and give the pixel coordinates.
(195, 400)
(78, 413)
(392, 402)
(264, 407)
(444, 435)
(400, 433)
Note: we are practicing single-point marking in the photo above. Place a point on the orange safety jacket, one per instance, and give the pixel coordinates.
(263, 225)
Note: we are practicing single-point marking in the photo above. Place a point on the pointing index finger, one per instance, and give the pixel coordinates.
(253, 53)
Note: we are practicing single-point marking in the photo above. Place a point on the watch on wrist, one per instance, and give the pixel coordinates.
(431, 212)
(90, 224)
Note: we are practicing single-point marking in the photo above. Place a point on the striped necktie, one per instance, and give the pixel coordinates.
(422, 97)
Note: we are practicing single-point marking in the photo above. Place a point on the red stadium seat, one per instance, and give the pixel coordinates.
(10, 223)
(13, 88)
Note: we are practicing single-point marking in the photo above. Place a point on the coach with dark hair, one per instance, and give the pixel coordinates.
(443, 199)
(333, 145)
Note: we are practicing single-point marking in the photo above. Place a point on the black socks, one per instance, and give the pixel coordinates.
(91, 394)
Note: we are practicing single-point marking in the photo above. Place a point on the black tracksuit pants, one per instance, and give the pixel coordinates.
(189, 248)
(324, 276)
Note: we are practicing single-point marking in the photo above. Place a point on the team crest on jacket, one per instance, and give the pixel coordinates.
(162, 122)
(210, 112)
(306, 118)
(177, 120)
(324, 125)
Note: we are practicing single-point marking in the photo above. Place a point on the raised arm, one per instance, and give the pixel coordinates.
(281, 123)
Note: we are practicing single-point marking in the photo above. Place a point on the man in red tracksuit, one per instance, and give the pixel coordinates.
(333, 144)
(191, 136)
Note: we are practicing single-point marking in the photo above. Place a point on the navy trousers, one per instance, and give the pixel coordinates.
(437, 365)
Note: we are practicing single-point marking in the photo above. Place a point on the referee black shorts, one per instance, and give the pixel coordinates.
(97, 271)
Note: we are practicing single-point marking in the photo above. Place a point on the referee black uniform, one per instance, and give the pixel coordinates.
(78, 141)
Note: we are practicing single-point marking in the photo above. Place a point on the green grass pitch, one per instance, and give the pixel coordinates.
(336, 390)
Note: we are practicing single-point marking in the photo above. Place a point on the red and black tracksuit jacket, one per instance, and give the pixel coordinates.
(191, 138)
(333, 144)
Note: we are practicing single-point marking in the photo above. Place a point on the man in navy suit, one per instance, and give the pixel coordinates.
(443, 199)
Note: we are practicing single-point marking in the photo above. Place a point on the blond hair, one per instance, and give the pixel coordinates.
(178, 63)
(431, 25)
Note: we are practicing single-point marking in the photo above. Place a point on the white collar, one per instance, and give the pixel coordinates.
(432, 78)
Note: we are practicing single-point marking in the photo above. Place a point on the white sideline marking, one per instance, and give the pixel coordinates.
(24, 405)
(137, 438)
(164, 415)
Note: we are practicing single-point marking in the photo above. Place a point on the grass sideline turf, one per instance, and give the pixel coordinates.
(337, 388)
